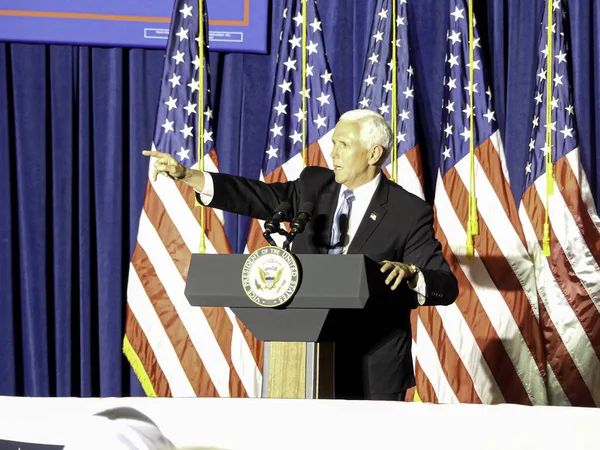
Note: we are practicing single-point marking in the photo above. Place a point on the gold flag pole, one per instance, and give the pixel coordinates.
(394, 155)
(548, 155)
(200, 118)
(473, 220)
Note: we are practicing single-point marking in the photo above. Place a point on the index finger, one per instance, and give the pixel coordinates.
(151, 153)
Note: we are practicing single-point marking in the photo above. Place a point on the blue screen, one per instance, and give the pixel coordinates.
(234, 25)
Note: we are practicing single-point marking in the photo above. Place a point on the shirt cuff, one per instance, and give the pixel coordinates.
(208, 192)
(420, 288)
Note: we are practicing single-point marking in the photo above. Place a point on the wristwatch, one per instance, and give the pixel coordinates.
(415, 270)
(411, 281)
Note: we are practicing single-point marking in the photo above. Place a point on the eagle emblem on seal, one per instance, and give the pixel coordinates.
(270, 277)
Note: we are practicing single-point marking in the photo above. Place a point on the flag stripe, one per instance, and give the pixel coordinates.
(217, 318)
(192, 318)
(570, 287)
(570, 189)
(408, 177)
(143, 350)
(292, 168)
(498, 146)
(410, 166)
(222, 329)
(256, 347)
(584, 187)
(221, 325)
(562, 337)
(454, 368)
(556, 393)
(425, 385)
(178, 336)
(243, 359)
(428, 367)
(505, 258)
(256, 239)
(501, 326)
(168, 338)
(214, 229)
(568, 247)
(566, 385)
(489, 159)
(314, 155)
(578, 247)
(556, 301)
(180, 213)
(167, 231)
(505, 309)
(507, 263)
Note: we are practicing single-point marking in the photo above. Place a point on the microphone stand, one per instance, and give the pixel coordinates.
(290, 237)
(273, 224)
(271, 241)
(298, 224)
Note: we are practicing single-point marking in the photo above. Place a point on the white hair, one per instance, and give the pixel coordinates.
(374, 130)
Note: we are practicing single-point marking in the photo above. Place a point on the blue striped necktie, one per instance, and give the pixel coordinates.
(340, 224)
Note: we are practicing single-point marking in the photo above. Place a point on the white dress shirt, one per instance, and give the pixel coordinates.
(362, 197)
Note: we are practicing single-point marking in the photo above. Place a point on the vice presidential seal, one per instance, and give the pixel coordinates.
(270, 276)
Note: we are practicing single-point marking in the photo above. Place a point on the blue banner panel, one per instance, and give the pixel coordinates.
(234, 25)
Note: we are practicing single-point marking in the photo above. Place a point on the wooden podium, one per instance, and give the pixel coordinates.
(299, 336)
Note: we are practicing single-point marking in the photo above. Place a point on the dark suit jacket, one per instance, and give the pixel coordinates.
(374, 354)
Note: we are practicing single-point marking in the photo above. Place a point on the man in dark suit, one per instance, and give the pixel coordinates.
(357, 210)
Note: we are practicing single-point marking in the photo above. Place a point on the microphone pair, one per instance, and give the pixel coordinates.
(297, 224)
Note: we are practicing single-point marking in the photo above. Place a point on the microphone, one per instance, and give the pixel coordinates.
(280, 214)
(304, 215)
(299, 222)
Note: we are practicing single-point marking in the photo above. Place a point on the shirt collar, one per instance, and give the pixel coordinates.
(366, 190)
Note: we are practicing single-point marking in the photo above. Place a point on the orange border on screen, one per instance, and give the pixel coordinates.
(67, 15)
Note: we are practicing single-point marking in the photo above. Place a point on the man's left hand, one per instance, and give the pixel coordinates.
(398, 272)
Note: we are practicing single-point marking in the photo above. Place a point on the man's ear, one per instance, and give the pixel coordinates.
(375, 155)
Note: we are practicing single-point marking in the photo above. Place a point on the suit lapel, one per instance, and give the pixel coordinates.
(373, 216)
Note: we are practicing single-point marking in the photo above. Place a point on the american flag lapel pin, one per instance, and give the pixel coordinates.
(373, 216)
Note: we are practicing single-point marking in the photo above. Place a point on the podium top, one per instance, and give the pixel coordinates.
(327, 282)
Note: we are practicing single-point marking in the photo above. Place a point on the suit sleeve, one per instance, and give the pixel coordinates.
(424, 251)
(252, 198)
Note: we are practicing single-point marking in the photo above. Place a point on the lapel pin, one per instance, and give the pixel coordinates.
(373, 216)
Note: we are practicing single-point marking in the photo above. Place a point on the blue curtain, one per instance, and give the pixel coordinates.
(73, 121)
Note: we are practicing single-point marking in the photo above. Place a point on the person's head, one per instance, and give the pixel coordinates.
(120, 428)
(362, 141)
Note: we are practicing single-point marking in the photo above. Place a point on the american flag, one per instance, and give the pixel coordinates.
(568, 280)
(487, 346)
(379, 86)
(283, 160)
(175, 349)
(377, 91)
